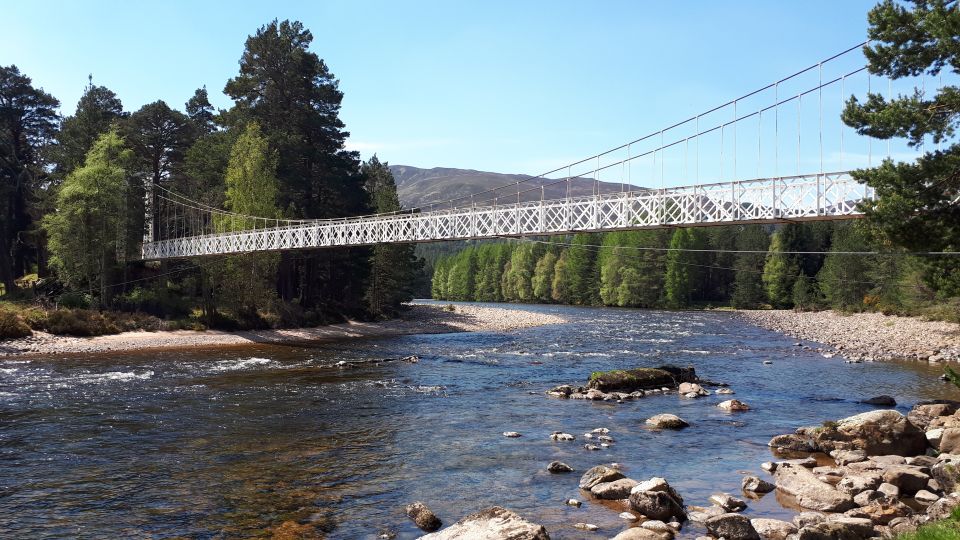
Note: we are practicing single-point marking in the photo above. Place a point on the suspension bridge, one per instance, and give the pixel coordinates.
(702, 158)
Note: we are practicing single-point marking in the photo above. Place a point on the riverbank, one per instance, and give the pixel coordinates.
(866, 336)
(420, 319)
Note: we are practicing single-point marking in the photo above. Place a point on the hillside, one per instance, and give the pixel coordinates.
(419, 187)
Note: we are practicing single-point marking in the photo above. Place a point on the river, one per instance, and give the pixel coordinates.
(231, 442)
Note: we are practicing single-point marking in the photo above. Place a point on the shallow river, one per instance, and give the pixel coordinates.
(231, 442)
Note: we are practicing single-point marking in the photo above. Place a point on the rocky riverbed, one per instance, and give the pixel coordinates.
(419, 319)
(866, 336)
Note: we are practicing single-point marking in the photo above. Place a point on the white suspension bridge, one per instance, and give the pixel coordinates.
(770, 122)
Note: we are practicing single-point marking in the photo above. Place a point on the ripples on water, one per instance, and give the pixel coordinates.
(231, 442)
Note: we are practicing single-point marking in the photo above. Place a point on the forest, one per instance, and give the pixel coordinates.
(81, 192)
(804, 266)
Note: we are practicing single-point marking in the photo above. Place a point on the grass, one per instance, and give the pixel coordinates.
(948, 529)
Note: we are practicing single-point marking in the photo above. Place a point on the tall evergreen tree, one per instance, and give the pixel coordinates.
(542, 280)
(581, 270)
(98, 108)
(915, 204)
(685, 269)
(28, 123)
(293, 95)
(748, 289)
(393, 267)
(779, 273)
(200, 111)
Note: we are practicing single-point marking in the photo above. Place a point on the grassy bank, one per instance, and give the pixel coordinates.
(948, 529)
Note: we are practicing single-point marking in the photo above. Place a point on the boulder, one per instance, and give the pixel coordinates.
(667, 421)
(586, 526)
(732, 527)
(949, 441)
(511, 434)
(934, 437)
(655, 499)
(700, 514)
(925, 497)
(868, 497)
(423, 517)
(879, 432)
(692, 388)
(909, 479)
(773, 529)
(573, 502)
(754, 484)
(846, 457)
(495, 523)
(881, 401)
(942, 508)
(630, 380)
(923, 413)
(883, 512)
(561, 436)
(660, 527)
(791, 442)
(805, 519)
(809, 491)
(889, 491)
(562, 391)
(638, 533)
(733, 405)
(728, 502)
(840, 528)
(618, 489)
(599, 474)
(947, 473)
(557, 467)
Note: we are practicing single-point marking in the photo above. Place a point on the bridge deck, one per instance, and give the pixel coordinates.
(771, 200)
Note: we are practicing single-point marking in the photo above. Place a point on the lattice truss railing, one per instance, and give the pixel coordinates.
(796, 198)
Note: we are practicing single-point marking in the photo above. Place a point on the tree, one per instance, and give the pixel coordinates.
(914, 202)
(779, 273)
(581, 271)
(461, 275)
(517, 280)
(159, 137)
(246, 282)
(560, 288)
(542, 280)
(438, 288)
(200, 111)
(685, 268)
(843, 278)
(87, 230)
(28, 123)
(748, 289)
(98, 108)
(393, 267)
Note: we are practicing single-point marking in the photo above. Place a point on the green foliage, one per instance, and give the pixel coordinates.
(947, 529)
(843, 278)
(516, 280)
(560, 289)
(748, 288)
(581, 272)
(461, 276)
(779, 273)
(87, 234)
(543, 274)
(685, 268)
(79, 322)
(393, 267)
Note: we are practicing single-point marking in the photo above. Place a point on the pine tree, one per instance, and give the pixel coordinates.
(685, 269)
(843, 278)
(581, 271)
(543, 273)
(748, 288)
(560, 288)
(393, 267)
(779, 273)
(200, 111)
(98, 109)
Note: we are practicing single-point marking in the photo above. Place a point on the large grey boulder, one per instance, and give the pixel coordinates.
(755, 484)
(909, 479)
(856, 482)
(618, 489)
(791, 442)
(949, 440)
(630, 380)
(598, 475)
(923, 414)
(639, 533)
(732, 527)
(656, 499)
(773, 529)
(667, 421)
(495, 523)
(841, 528)
(809, 491)
(879, 432)
(943, 507)
(947, 473)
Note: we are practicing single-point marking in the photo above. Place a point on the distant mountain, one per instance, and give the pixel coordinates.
(420, 187)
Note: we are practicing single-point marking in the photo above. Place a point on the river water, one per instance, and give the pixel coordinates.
(228, 443)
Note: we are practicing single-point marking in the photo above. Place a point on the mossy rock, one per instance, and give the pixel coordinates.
(629, 380)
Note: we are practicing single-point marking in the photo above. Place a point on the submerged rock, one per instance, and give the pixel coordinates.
(557, 467)
(423, 517)
(733, 405)
(630, 380)
(667, 421)
(561, 436)
(881, 401)
(511, 434)
(495, 523)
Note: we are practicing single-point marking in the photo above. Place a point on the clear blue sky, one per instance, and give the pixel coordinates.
(515, 87)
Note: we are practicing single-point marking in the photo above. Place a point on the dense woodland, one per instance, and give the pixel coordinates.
(748, 266)
(80, 193)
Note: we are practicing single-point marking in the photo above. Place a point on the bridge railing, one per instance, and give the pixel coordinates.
(816, 196)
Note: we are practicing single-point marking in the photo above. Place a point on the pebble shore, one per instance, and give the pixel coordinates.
(866, 336)
(420, 319)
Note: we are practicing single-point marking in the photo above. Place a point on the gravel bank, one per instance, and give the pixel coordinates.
(866, 336)
(420, 319)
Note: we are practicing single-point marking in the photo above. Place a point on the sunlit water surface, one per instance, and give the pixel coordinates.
(232, 442)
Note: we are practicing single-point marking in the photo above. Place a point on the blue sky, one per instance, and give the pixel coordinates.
(516, 87)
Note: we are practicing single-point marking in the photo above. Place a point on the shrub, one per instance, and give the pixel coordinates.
(74, 300)
(80, 322)
(12, 326)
